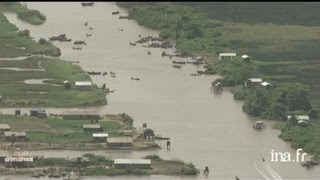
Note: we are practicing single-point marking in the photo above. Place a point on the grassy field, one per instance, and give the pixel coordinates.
(15, 44)
(23, 12)
(16, 93)
(53, 129)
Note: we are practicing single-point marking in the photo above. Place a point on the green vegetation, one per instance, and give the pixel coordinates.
(52, 93)
(55, 130)
(28, 15)
(171, 167)
(307, 138)
(282, 45)
(16, 44)
(192, 31)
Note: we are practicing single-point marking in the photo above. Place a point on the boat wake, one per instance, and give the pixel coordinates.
(266, 171)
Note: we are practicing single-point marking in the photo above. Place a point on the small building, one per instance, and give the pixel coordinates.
(15, 136)
(92, 127)
(17, 112)
(4, 128)
(132, 163)
(100, 137)
(252, 82)
(246, 58)
(81, 115)
(120, 142)
(83, 85)
(301, 119)
(18, 161)
(67, 84)
(38, 113)
(230, 56)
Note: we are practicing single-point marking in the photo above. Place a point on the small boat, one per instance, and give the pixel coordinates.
(93, 73)
(88, 35)
(124, 17)
(258, 125)
(179, 62)
(176, 66)
(133, 78)
(76, 48)
(80, 42)
(159, 137)
(104, 73)
(120, 29)
(90, 27)
(61, 37)
(87, 4)
(149, 53)
(115, 12)
(113, 74)
(86, 24)
(310, 162)
(132, 44)
(195, 74)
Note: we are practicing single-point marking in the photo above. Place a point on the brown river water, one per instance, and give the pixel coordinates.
(206, 129)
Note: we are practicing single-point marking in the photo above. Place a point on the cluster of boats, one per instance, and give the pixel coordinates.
(61, 38)
(163, 44)
(112, 74)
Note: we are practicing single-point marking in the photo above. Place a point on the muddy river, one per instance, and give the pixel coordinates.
(206, 129)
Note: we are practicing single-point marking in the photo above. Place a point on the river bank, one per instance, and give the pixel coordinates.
(95, 165)
(191, 31)
(19, 76)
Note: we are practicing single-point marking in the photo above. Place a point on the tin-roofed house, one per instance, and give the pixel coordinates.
(4, 127)
(120, 142)
(100, 137)
(18, 161)
(83, 85)
(92, 127)
(230, 56)
(246, 58)
(38, 113)
(15, 136)
(252, 82)
(132, 163)
(80, 115)
(301, 119)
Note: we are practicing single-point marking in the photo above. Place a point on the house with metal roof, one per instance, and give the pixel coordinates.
(300, 118)
(4, 127)
(132, 163)
(83, 85)
(100, 137)
(16, 136)
(92, 127)
(230, 56)
(251, 82)
(80, 115)
(120, 142)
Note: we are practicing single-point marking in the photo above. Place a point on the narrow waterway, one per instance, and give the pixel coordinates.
(206, 129)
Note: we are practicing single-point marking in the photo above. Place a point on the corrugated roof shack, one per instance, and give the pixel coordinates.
(100, 137)
(15, 136)
(251, 82)
(120, 142)
(132, 163)
(38, 113)
(18, 161)
(83, 85)
(81, 115)
(3, 128)
(92, 128)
